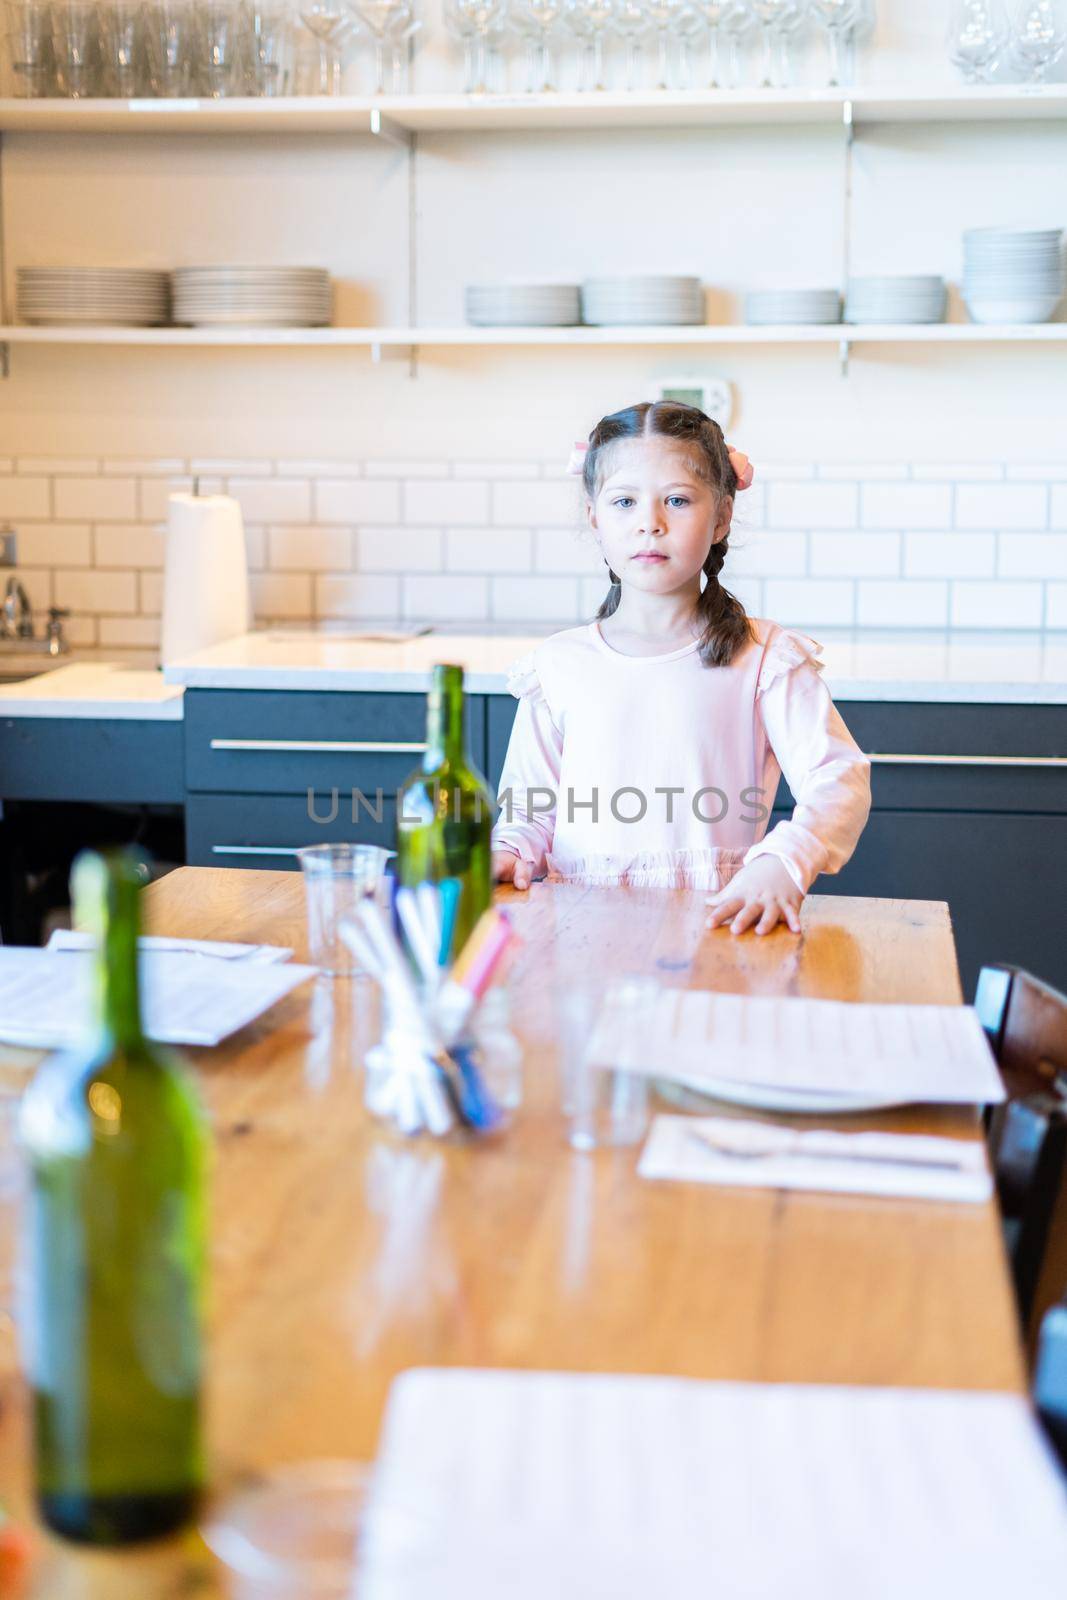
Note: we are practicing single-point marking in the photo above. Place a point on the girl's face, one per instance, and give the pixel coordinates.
(653, 518)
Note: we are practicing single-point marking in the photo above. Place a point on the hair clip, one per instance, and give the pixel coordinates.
(576, 460)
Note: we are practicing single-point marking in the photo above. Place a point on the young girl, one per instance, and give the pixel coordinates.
(648, 744)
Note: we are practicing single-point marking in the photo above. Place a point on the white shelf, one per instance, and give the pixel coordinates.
(710, 334)
(456, 112)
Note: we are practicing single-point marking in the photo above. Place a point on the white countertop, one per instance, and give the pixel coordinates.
(1006, 667)
(99, 689)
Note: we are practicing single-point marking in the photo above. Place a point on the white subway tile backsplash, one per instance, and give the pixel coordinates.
(814, 544)
(855, 555)
(399, 550)
(812, 505)
(445, 503)
(57, 466)
(80, 631)
(96, 499)
(1004, 505)
(283, 595)
(771, 555)
(534, 598)
(997, 605)
(447, 597)
(915, 604)
(960, 471)
(357, 596)
(272, 500)
(949, 555)
(105, 593)
(906, 505)
(350, 500)
(128, 632)
(25, 497)
(127, 545)
(811, 602)
(555, 504)
(308, 549)
(567, 550)
(488, 550)
(1032, 555)
(55, 544)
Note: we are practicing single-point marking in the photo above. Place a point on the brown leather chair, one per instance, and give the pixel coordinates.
(1026, 1022)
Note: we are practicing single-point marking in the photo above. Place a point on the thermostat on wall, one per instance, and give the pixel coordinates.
(711, 395)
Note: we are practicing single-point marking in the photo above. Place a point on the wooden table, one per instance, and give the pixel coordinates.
(344, 1254)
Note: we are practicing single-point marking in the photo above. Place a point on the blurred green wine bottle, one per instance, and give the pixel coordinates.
(445, 810)
(116, 1147)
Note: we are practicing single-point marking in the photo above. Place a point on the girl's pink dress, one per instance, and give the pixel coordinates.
(657, 770)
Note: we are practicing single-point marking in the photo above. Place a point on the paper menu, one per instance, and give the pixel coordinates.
(187, 1000)
(904, 1052)
(223, 950)
(598, 1487)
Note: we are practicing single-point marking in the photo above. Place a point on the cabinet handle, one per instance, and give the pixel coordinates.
(254, 849)
(326, 746)
(968, 761)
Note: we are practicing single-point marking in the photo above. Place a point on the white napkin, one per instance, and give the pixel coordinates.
(888, 1164)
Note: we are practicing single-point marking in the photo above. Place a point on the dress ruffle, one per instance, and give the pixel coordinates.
(788, 650)
(522, 677)
(652, 869)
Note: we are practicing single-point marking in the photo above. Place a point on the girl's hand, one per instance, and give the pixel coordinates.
(762, 893)
(510, 868)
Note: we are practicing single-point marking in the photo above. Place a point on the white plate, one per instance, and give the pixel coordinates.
(766, 1097)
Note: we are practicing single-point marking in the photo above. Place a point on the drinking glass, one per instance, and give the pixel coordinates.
(29, 25)
(121, 31)
(977, 33)
(75, 41)
(473, 22)
(736, 20)
(268, 42)
(688, 25)
(169, 36)
(712, 12)
(220, 44)
(837, 18)
(327, 21)
(536, 20)
(663, 16)
(606, 1105)
(632, 26)
(336, 878)
(392, 23)
(589, 21)
(1039, 32)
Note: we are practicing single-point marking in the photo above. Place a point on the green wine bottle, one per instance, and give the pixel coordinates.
(116, 1148)
(445, 811)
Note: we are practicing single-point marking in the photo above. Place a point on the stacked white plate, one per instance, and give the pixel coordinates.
(253, 297)
(516, 305)
(656, 301)
(778, 306)
(1012, 274)
(128, 297)
(897, 299)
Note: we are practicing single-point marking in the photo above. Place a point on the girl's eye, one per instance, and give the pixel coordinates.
(677, 500)
(624, 502)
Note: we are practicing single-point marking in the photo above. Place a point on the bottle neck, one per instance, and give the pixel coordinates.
(115, 919)
(445, 727)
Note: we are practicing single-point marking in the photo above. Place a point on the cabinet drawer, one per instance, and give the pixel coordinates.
(237, 830)
(116, 760)
(286, 742)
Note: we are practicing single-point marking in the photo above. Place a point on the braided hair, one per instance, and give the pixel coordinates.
(726, 627)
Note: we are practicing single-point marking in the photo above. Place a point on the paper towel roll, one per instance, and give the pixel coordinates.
(205, 577)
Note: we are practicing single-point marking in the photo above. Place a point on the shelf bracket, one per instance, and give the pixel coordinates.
(391, 132)
(847, 119)
(843, 348)
(5, 360)
(392, 352)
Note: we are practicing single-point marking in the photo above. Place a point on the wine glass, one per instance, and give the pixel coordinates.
(688, 25)
(631, 24)
(268, 39)
(712, 13)
(392, 23)
(736, 20)
(837, 18)
(663, 16)
(774, 16)
(589, 21)
(977, 33)
(536, 19)
(472, 22)
(1039, 32)
(327, 21)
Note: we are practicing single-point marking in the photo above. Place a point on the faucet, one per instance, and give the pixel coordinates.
(16, 624)
(17, 612)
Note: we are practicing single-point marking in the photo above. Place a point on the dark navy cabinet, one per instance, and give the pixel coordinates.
(969, 805)
(268, 771)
